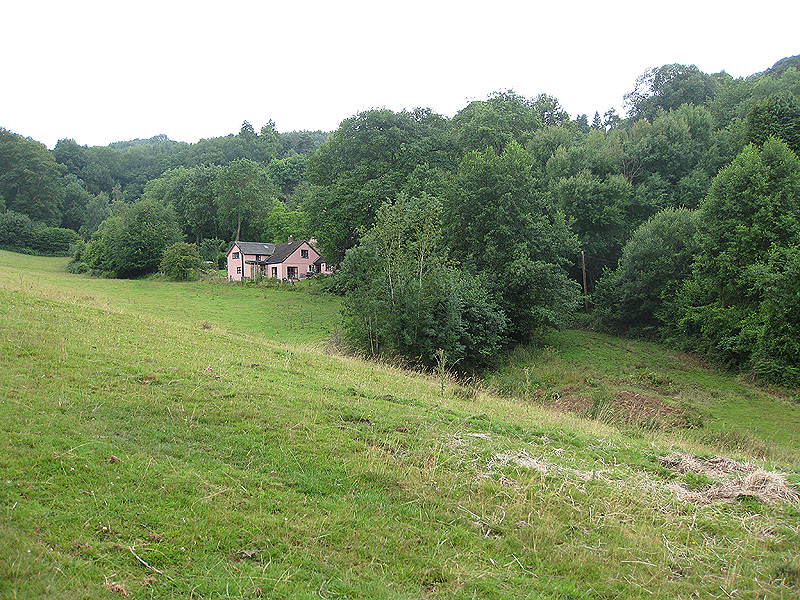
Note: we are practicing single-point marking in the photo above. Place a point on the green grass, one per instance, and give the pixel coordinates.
(742, 417)
(287, 316)
(241, 461)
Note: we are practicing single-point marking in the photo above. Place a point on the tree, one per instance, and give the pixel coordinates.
(245, 194)
(738, 305)
(288, 172)
(603, 212)
(213, 250)
(19, 232)
(365, 162)
(668, 87)
(76, 199)
(280, 223)
(777, 116)
(639, 295)
(551, 114)
(73, 157)
(132, 244)
(30, 182)
(180, 260)
(502, 118)
(675, 152)
(191, 193)
(98, 209)
(502, 227)
(402, 299)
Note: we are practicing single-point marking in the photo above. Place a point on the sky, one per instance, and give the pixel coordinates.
(105, 71)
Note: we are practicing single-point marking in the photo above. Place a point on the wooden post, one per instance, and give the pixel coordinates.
(585, 294)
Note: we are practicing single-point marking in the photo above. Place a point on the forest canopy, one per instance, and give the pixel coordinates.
(677, 221)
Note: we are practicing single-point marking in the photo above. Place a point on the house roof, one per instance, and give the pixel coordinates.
(285, 250)
(255, 248)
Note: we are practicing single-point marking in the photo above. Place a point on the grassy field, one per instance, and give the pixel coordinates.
(165, 440)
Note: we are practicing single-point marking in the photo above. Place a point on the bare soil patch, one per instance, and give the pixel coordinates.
(629, 407)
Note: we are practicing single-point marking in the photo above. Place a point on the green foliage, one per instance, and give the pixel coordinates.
(76, 200)
(778, 346)
(180, 261)
(245, 195)
(280, 223)
(739, 307)
(603, 212)
(214, 250)
(191, 193)
(777, 116)
(502, 118)
(668, 87)
(288, 172)
(133, 243)
(30, 182)
(401, 299)
(639, 294)
(19, 232)
(502, 227)
(98, 209)
(365, 162)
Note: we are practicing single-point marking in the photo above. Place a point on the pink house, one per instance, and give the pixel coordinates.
(247, 260)
(289, 261)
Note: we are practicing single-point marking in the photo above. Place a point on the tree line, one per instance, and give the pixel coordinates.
(465, 234)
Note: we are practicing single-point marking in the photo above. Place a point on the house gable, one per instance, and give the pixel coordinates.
(247, 259)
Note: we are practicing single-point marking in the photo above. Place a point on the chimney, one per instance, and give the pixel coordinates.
(291, 239)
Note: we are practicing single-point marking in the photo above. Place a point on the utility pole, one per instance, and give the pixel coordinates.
(585, 294)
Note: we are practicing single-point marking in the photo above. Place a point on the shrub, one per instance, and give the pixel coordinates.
(133, 243)
(19, 232)
(180, 261)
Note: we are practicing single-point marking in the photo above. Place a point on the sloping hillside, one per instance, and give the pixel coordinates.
(173, 441)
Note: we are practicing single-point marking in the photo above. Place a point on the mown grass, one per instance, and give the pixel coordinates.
(288, 315)
(143, 454)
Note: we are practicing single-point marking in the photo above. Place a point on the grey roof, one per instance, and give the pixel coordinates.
(285, 250)
(255, 248)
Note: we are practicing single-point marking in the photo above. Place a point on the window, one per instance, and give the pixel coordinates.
(303, 253)
(238, 270)
(291, 272)
(258, 257)
(235, 255)
(275, 272)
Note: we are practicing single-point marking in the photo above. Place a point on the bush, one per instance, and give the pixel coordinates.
(132, 244)
(401, 298)
(180, 261)
(638, 295)
(19, 232)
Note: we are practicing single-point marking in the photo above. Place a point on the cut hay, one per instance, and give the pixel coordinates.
(765, 486)
(734, 480)
(521, 459)
(716, 467)
(526, 461)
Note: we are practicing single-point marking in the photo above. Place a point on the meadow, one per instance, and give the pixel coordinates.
(201, 440)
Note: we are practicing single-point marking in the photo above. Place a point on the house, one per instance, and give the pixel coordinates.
(289, 261)
(248, 260)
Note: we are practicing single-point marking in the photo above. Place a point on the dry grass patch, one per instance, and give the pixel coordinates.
(732, 480)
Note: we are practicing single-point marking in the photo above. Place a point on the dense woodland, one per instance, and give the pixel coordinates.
(459, 237)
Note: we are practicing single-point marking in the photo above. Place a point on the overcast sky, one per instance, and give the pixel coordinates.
(101, 71)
